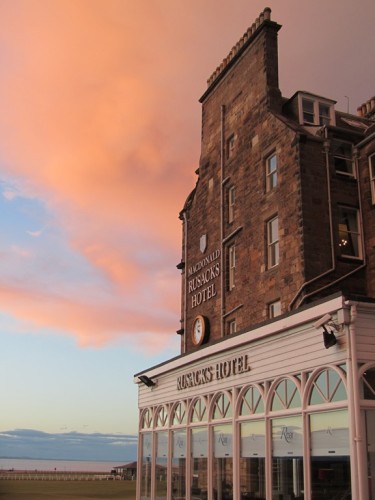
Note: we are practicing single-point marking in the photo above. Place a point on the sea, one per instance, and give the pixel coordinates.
(58, 465)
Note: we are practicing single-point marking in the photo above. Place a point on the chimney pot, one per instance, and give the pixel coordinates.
(267, 14)
(359, 111)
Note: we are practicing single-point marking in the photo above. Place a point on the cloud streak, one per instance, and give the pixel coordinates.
(29, 443)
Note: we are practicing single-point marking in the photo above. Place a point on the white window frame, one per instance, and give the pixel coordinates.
(339, 156)
(271, 172)
(371, 166)
(317, 117)
(274, 309)
(352, 233)
(273, 254)
(231, 266)
(231, 203)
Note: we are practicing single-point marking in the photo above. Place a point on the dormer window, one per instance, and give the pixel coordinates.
(315, 111)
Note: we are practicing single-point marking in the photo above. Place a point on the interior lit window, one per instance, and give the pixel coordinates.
(349, 234)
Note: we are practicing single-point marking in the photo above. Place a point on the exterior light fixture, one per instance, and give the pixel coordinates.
(329, 338)
(146, 380)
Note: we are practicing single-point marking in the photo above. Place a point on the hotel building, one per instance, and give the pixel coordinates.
(273, 394)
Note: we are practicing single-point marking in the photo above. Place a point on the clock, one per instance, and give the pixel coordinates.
(200, 330)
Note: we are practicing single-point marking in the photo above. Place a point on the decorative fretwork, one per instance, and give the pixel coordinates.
(252, 402)
(286, 396)
(222, 407)
(328, 387)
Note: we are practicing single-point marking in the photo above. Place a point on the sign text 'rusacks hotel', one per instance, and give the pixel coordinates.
(218, 371)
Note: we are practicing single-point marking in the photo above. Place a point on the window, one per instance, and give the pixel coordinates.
(349, 235)
(308, 111)
(231, 266)
(231, 202)
(273, 242)
(232, 326)
(324, 114)
(274, 309)
(316, 111)
(271, 172)
(343, 157)
(372, 176)
(230, 146)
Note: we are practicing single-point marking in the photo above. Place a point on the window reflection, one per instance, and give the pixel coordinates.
(252, 460)
(222, 474)
(199, 454)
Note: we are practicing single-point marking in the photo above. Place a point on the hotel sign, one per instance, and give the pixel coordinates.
(200, 277)
(218, 371)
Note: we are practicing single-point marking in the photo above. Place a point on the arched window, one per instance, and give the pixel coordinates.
(286, 396)
(222, 407)
(328, 387)
(252, 402)
(146, 420)
(161, 417)
(179, 414)
(199, 411)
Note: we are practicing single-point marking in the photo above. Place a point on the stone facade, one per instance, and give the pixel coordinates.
(317, 202)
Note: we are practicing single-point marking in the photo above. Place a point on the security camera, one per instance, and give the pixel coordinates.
(322, 321)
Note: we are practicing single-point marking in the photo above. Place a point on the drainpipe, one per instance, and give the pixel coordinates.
(186, 281)
(358, 464)
(329, 200)
(222, 281)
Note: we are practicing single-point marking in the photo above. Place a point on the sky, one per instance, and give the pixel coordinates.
(99, 142)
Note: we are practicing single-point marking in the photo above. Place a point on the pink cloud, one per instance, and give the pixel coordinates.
(100, 121)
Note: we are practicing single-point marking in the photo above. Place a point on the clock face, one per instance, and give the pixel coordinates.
(199, 330)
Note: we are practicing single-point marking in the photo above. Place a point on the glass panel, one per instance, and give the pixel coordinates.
(178, 465)
(287, 461)
(199, 411)
(324, 114)
(252, 402)
(370, 439)
(271, 172)
(147, 419)
(273, 242)
(328, 387)
(161, 465)
(330, 460)
(162, 417)
(329, 433)
(308, 111)
(146, 466)
(199, 454)
(252, 461)
(342, 152)
(223, 407)
(179, 415)
(286, 396)
(222, 474)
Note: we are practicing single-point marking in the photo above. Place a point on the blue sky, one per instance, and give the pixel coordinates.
(99, 142)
